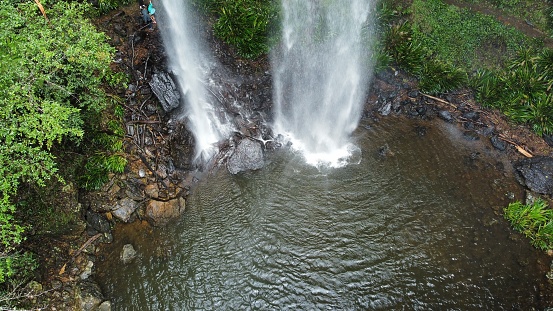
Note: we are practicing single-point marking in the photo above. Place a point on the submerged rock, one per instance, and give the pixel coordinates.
(470, 135)
(536, 173)
(248, 155)
(128, 253)
(498, 143)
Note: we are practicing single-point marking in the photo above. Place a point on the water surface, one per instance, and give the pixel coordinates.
(415, 229)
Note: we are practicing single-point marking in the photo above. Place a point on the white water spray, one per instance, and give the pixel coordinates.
(320, 74)
(190, 62)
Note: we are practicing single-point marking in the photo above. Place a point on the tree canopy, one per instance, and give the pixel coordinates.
(53, 64)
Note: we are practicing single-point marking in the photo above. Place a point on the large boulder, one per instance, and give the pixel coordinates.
(536, 173)
(248, 155)
(165, 90)
(161, 212)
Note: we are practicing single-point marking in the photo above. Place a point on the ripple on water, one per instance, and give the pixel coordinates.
(400, 232)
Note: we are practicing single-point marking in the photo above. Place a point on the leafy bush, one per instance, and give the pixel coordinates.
(535, 221)
(407, 53)
(244, 24)
(522, 90)
(51, 76)
(440, 77)
(104, 148)
(105, 6)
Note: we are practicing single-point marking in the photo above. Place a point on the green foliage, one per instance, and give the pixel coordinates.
(435, 76)
(522, 90)
(463, 38)
(488, 87)
(105, 147)
(407, 53)
(442, 43)
(244, 24)
(535, 221)
(531, 11)
(51, 77)
(20, 264)
(99, 167)
(104, 6)
(440, 77)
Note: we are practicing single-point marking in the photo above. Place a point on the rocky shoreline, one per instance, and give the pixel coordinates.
(160, 173)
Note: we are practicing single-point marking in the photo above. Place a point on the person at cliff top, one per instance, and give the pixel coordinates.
(146, 16)
(152, 11)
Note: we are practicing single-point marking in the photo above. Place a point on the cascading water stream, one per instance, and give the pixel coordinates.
(321, 74)
(190, 63)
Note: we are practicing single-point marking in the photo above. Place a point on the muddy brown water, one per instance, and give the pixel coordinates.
(419, 228)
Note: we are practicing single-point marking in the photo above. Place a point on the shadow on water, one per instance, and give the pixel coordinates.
(416, 225)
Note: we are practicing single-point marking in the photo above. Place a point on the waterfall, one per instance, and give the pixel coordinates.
(191, 63)
(321, 73)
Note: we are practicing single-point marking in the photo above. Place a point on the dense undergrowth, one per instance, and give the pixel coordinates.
(57, 98)
(534, 221)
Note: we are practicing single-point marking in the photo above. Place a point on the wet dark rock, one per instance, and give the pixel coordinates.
(131, 88)
(487, 130)
(470, 135)
(137, 39)
(421, 110)
(536, 174)
(548, 139)
(445, 115)
(248, 155)
(134, 189)
(96, 223)
(396, 106)
(498, 143)
(165, 90)
(120, 30)
(471, 115)
(124, 209)
(145, 90)
(405, 102)
(118, 56)
(469, 125)
(413, 93)
(181, 147)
